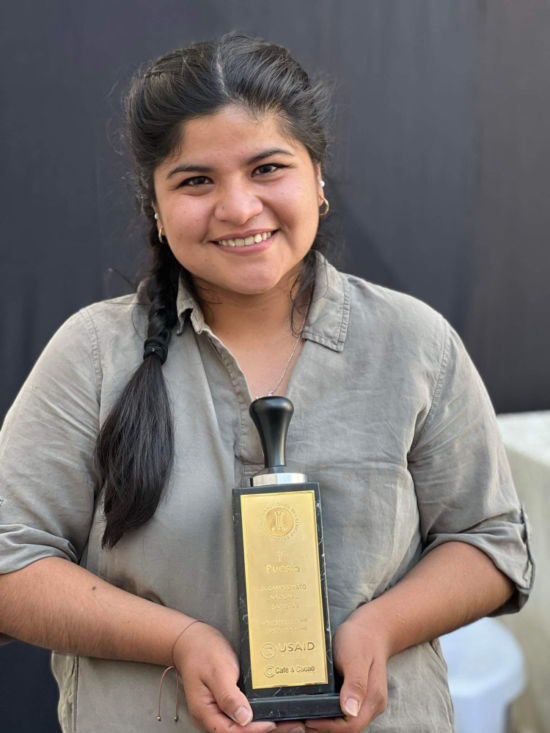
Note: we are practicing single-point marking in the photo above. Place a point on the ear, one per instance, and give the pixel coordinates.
(317, 169)
(319, 178)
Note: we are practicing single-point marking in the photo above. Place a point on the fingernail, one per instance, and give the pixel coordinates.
(243, 716)
(351, 706)
(271, 727)
(297, 729)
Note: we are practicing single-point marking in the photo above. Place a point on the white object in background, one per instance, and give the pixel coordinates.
(527, 433)
(526, 436)
(486, 674)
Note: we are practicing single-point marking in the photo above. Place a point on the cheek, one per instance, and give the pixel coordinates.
(189, 217)
(298, 206)
(187, 229)
(196, 259)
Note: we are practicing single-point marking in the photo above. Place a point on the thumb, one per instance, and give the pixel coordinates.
(354, 690)
(228, 696)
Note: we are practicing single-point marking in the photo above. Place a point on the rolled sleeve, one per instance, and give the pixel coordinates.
(462, 478)
(47, 482)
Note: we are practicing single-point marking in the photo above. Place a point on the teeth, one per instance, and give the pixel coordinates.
(245, 242)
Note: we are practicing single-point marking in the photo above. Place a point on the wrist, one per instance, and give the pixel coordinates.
(372, 622)
(179, 642)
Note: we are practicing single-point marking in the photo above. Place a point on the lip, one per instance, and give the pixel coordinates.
(249, 249)
(242, 235)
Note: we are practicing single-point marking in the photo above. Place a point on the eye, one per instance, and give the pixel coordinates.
(271, 165)
(192, 182)
(189, 181)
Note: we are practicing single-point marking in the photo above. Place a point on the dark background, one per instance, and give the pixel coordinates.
(438, 184)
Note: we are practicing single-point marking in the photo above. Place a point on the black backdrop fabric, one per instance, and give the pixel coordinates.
(438, 183)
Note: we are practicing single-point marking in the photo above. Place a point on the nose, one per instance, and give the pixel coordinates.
(238, 203)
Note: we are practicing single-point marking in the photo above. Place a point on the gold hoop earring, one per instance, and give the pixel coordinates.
(161, 240)
(325, 212)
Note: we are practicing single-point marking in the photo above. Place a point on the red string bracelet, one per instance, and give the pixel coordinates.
(196, 621)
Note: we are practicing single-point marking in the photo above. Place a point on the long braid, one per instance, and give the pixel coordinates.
(135, 447)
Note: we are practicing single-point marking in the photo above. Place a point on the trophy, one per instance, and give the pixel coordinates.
(287, 670)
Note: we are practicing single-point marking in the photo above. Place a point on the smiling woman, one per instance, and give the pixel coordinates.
(119, 455)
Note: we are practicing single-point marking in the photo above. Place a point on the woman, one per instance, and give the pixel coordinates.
(121, 458)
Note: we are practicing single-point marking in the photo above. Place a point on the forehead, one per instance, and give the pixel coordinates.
(230, 137)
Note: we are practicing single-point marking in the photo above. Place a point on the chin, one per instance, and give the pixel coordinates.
(256, 281)
(253, 287)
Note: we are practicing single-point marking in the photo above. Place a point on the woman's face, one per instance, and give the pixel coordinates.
(234, 185)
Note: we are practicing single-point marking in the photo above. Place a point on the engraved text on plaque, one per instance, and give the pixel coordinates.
(283, 586)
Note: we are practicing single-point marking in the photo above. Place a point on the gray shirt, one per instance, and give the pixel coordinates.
(391, 418)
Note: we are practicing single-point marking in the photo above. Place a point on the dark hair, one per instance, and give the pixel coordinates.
(135, 446)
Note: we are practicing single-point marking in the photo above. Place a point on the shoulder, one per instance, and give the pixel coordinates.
(121, 315)
(124, 315)
(113, 324)
(395, 317)
(104, 335)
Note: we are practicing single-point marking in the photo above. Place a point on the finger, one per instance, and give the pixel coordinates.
(227, 695)
(346, 724)
(373, 704)
(220, 723)
(376, 699)
(329, 725)
(291, 726)
(354, 690)
(214, 719)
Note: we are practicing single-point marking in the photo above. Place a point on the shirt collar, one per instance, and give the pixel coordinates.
(328, 316)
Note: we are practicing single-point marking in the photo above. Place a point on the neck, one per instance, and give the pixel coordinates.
(237, 317)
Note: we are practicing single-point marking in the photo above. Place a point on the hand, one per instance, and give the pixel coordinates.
(210, 670)
(360, 655)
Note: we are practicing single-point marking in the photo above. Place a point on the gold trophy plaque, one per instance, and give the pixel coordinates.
(286, 647)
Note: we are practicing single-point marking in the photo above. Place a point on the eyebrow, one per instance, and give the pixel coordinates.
(191, 168)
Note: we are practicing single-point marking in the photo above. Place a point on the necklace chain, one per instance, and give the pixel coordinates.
(271, 393)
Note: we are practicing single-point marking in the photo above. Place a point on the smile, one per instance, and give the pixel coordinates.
(259, 243)
(245, 242)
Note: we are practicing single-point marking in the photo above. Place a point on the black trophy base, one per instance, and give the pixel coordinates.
(300, 707)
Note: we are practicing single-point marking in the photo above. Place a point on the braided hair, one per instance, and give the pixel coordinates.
(135, 447)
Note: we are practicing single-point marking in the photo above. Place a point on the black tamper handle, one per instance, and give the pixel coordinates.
(271, 416)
